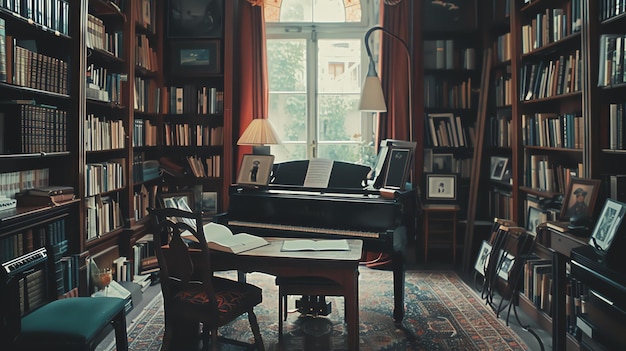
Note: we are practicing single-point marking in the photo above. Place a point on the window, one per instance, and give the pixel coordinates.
(315, 67)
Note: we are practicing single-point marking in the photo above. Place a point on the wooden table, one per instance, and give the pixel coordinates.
(341, 267)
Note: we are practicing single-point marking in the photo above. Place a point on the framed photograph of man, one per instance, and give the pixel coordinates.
(255, 170)
(580, 198)
(441, 186)
(608, 224)
(498, 167)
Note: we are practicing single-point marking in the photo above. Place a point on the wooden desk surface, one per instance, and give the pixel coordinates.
(274, 250)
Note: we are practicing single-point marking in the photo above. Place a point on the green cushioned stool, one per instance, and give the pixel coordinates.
(78, 323)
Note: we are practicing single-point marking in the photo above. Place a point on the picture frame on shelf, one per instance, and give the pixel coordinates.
(580, 198)
(181, 200)
(607, 225)
(535, 216)
(442, 163)
(498, 167)
(209, 202)
(255, 170)
(195, 57)
(195, 18)
(441, 186)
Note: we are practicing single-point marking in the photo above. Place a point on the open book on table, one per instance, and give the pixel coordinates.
(315, 245)
(220, 237)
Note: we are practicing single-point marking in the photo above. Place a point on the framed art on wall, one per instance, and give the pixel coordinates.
(195, 18)
(441, 186)
(195, 57)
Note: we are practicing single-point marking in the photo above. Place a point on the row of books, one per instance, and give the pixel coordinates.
(448, 130)
(552, 25)
(12, 246)
(545, 175)
(207, 167)
(443, 93)
(147, 96)
(3, 51)
(40, 128)
(145, 54)
(500, 203)
(553, 130)
(144, 199)
(51, 14)
(611, 8)
(192, 99)
(185, 134)
(103, 85)
(443, 54)
(538, 283)
(499, 127)
(551, 77)
(104, 176)
(32, 290)
(103, 215)
(28, 68)
(503, 90)
(99, 38)
(144, 133)
(12, 183)
(612, 56)
(617, 126)
(103, 134)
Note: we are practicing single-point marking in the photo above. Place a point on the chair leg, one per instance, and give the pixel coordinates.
(282, 311)
(214, 342)
(121, 338)
(254, 325)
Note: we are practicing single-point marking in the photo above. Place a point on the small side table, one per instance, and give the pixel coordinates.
(440, 222)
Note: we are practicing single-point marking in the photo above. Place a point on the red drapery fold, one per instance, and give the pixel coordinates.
(394, 124)
(252, 87)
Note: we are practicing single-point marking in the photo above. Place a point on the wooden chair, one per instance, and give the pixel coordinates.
(192, 295)
(71, 324)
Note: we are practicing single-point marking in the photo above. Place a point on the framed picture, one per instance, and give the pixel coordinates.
(580, 198)
(398, 168)
(255, 170)
(505, 264)
(608, 223)
(195, 18)
(482, 261)
(449, 15)
(180, 200)
(191, 57)
(441, 186)
(498, 167)
(442, 163)
(534, 217)
(209, 202)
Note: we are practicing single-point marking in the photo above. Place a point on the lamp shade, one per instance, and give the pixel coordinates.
(372, 99)
(259, 132)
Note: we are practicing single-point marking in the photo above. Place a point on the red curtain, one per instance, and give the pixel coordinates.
(252, 85)
(394, 124)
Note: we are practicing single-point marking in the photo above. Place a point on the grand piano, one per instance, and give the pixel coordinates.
(345, 209)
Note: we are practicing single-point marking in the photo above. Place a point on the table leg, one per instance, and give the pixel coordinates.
(397, 262)
(351, 295)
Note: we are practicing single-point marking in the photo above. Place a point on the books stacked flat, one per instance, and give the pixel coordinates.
(46, 196)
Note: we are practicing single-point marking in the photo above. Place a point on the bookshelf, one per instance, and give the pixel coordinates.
(451, 57)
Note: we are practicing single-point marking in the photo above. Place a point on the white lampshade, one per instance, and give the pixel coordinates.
(259, 132)
(372, 99)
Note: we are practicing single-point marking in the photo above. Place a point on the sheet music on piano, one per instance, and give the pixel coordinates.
(318, 173)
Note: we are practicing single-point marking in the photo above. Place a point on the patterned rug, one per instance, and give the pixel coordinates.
(442, 313)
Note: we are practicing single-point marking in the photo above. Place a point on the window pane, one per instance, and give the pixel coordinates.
(339, 63)
(338, 118)
(288, 152)
(287, 111)
(286, 64)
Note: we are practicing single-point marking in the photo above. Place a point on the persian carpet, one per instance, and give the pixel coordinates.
(442, 313)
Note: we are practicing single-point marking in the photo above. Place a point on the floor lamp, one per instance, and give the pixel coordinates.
(259, 134)
(372, 98)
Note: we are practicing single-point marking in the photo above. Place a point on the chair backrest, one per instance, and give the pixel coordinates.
(181, 251)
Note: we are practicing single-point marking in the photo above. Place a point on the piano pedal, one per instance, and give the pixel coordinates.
(313, 305)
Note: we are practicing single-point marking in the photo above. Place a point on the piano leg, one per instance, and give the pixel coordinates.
(397, 262)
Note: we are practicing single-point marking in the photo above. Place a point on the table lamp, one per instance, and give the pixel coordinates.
(260, 134)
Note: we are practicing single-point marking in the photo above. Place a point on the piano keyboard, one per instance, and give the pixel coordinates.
(294, 228)
(24, 262)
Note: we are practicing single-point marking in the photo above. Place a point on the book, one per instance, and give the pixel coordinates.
(220, 237)
(51, 190)
(559, 226)
(26, 199)
(315, 245)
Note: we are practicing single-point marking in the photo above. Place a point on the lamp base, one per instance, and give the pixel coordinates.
(261, 150)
